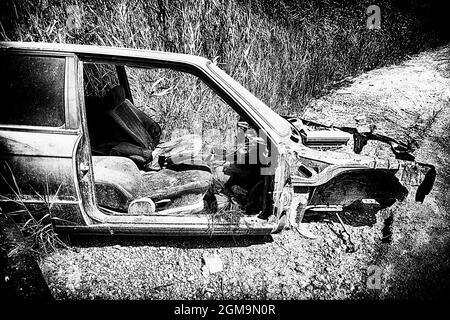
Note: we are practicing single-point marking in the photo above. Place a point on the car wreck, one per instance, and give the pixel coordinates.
(89, 134)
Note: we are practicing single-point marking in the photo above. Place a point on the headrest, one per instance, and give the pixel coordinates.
(114, 97)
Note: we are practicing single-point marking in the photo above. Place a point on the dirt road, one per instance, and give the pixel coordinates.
(411, 99)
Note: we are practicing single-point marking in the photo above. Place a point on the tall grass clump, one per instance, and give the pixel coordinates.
(284, 51)
(34, 221)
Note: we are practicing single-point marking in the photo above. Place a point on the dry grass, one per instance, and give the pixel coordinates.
(284, 51)
(182, 104)
(35, 222)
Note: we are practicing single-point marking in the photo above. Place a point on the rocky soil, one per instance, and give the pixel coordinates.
(411, 99)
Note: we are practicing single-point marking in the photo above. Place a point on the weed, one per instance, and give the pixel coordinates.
(34, 221)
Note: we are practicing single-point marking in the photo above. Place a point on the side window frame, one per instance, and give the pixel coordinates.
(71, 118)
(178, 66)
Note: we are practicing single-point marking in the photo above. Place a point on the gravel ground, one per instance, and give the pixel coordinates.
(404, 100)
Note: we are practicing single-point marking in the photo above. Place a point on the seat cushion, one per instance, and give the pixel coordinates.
(118, 181)
(170, 184)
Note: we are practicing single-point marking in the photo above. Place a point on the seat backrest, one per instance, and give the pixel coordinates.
(129, 120)
(131, 125)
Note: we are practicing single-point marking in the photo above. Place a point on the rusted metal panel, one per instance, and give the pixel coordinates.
(39, 163)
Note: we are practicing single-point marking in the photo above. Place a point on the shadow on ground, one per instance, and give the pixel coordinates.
(417, 263)
(355, 216)
(186, 242)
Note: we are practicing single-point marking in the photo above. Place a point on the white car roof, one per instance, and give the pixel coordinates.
(106, 51)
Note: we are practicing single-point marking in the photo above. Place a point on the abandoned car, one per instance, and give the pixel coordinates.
(116, 140)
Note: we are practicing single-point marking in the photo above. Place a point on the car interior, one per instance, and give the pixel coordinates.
(123, 141)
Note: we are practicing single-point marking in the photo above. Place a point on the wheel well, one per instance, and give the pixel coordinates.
(346, 188)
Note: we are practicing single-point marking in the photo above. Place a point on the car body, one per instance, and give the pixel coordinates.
(48, 163)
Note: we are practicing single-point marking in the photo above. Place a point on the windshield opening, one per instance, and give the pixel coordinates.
(273, 119)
